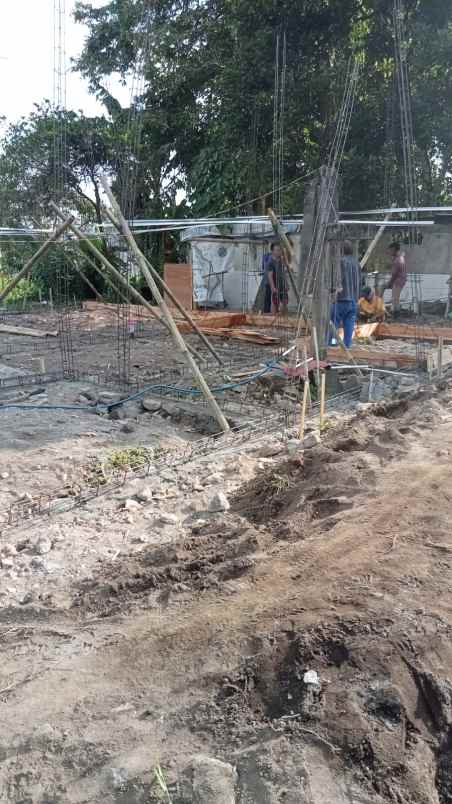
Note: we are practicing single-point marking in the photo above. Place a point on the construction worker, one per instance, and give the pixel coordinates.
(345, 303)
(371, 306)
(398, 275)
(263, 301)
(276, 274)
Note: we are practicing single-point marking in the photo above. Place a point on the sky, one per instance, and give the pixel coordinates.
(26, 57)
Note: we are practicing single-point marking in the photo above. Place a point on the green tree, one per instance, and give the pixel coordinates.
(209, 72)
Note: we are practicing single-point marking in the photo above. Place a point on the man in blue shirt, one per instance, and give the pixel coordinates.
(345, 305)
(263, 301)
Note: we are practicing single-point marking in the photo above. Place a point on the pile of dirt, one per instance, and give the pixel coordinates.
(215, 553)
(324, 481)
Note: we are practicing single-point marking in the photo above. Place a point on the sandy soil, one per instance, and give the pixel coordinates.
(144, 629)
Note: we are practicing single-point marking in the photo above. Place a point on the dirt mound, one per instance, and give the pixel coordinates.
(331, 475)
(376, 710)
(215, 554)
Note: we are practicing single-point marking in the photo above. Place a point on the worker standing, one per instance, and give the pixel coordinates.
(398, 275)
(276, 273)
(345, 305)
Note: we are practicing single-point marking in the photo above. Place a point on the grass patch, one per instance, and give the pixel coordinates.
(120, 460)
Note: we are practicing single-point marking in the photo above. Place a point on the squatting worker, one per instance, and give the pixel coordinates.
(398, 275)
(345, 305)
(276, 274)
(371, 306)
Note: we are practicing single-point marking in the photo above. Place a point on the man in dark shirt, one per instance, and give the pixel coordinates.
(276, 273)
(345, 305)
(398, 275)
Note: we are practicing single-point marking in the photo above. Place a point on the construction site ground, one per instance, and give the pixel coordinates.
(177, 615)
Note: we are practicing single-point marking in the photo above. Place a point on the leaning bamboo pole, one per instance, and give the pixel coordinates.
(175, 300)
(67, 222)
(124, 228)
(120, 279)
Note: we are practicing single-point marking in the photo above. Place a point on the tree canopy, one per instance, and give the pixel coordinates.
(209, 90)
(199, 130)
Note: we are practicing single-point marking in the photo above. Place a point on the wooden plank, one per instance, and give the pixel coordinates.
(31, 333)
(242, 335)
(212, 323)
(372, 357)
(424, 331)
(366, 330)
(179, 278)
(271, 321)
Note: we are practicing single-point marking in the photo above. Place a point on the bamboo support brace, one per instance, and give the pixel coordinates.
(37, 256)
(175, 301)
(122, 225)
(129, 289)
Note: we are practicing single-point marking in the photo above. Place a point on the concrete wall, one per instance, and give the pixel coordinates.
(434, 256)
(233, 258)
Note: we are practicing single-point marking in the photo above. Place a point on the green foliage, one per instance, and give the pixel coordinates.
(201, 125)
(26, 291)
(30, 166)
(117, 461)
(210, 84)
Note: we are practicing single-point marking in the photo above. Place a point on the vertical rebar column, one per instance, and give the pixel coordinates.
(59, 167)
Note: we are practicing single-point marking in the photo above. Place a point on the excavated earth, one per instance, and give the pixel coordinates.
(337, 560)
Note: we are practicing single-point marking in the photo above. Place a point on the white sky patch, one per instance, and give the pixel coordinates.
(27, 56)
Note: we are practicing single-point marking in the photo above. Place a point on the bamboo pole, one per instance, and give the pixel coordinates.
(103, 276)
(178, 339)
(375, 241)
(67, 222)
(174, 299)
(109, 267)
(322, 400)
(87, 282)
(303, 409)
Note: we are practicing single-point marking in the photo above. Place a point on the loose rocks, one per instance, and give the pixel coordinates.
(169, 519)
(144, 494)
(311, 440)
(151, 405)
(219, 502)
(43, 546)
(213, 781)
(132, 505)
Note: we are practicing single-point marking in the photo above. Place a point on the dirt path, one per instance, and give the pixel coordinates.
(343, 567)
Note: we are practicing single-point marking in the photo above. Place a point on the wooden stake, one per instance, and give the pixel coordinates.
(322, 400)
(440, 357)
(37, 256)
(178, 339)
(317, 353)
(175, 300)
(303, 409)
(306, 371)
